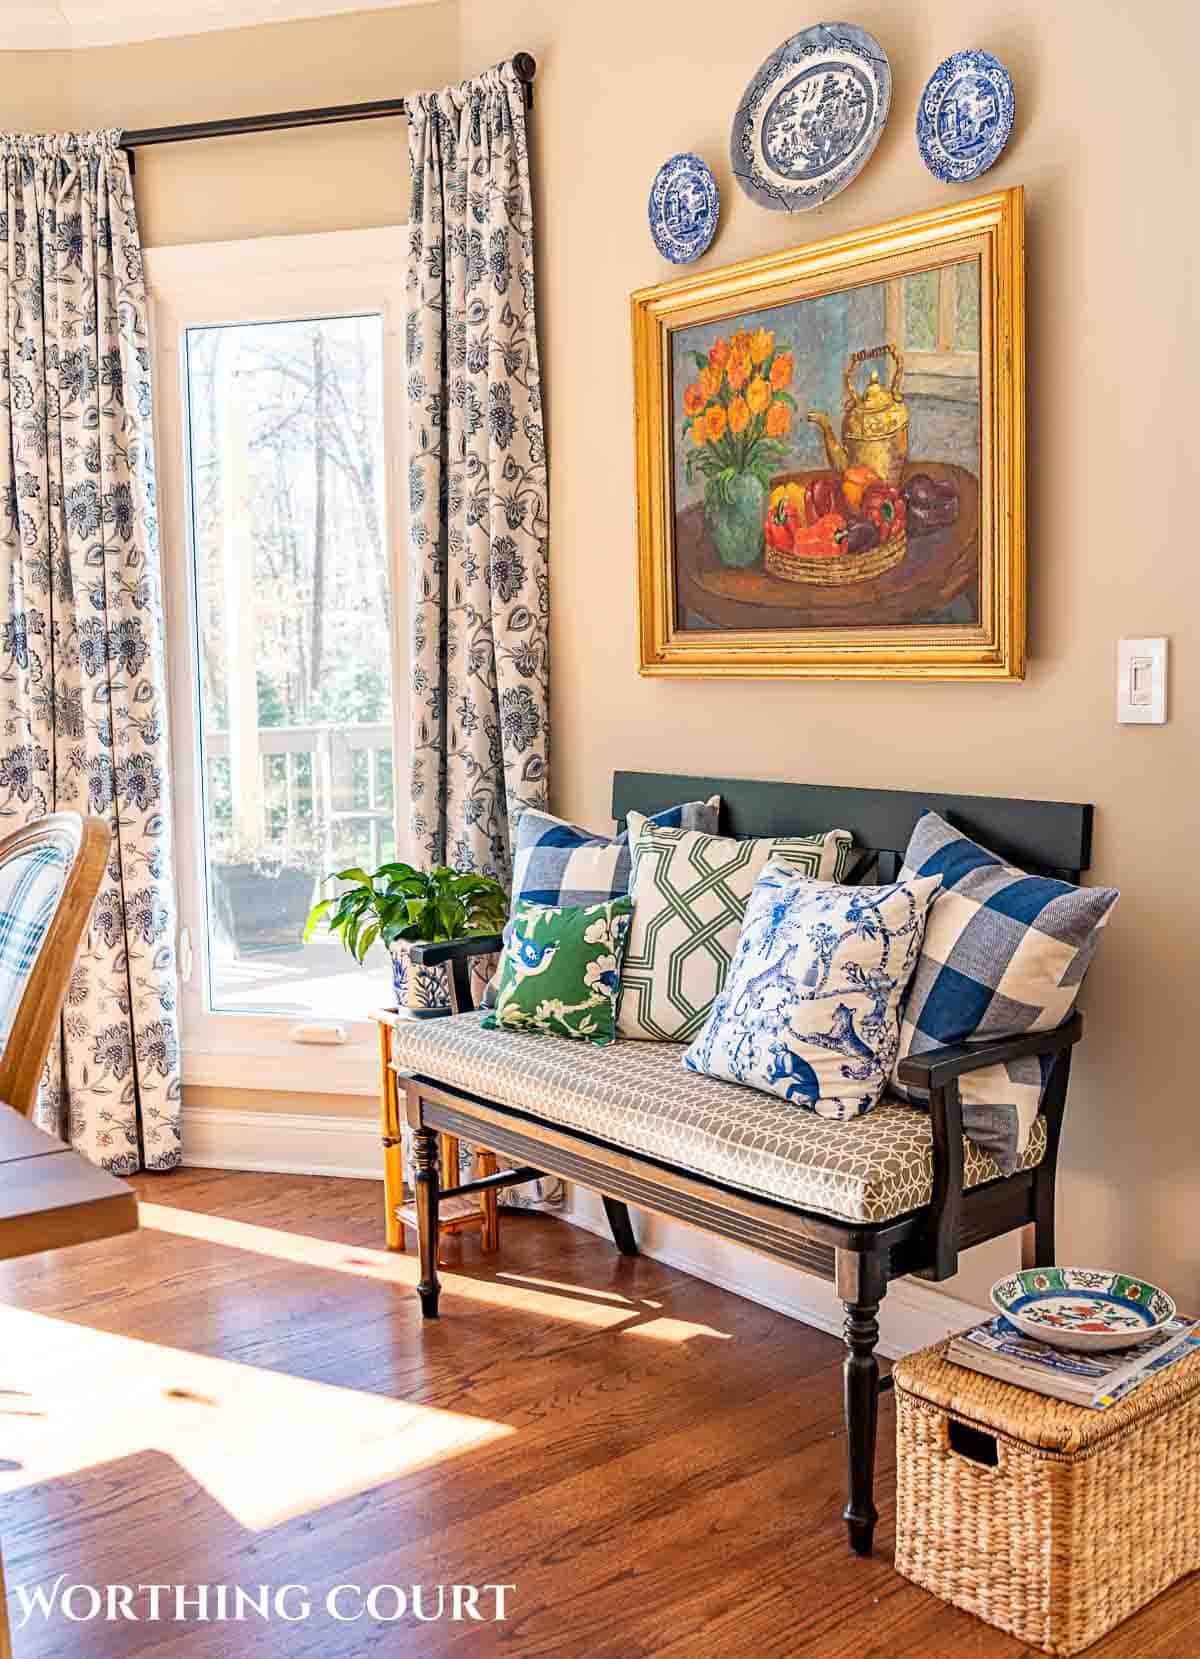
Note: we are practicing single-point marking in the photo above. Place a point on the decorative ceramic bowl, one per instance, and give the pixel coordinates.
(684, 207)
(1082, 1308)
(811, 117)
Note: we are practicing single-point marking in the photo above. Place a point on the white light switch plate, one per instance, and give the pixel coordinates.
(1141, 682)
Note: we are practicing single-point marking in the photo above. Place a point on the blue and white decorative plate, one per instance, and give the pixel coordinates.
(965, 116)
(811, 117)
(684, 207)
(1084, 1308)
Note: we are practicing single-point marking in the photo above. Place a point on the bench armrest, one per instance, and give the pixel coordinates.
(939, 1066)
(939, 1072)
(431, 953)
(457, 954)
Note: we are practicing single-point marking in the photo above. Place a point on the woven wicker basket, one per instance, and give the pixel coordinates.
(1049, 1521)
(847, 567)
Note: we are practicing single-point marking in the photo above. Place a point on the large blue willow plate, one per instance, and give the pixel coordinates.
(684, 207)
(1084, 1308)
(965, 116)
(811, 117)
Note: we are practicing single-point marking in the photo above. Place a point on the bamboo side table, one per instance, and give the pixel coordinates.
(456, 1215)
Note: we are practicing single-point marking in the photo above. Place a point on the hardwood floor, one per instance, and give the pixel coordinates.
(244, 1393)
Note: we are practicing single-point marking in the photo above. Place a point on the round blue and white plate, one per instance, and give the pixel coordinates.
(965, 116)
(684, 207)
(1084, 1308)
(811, 117)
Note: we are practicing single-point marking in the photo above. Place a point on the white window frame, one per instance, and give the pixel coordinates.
(942, 372)
(267, 279)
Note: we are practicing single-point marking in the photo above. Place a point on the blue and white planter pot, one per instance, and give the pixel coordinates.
(965, 116)
(810, 119)
(684, 207)
(424, 992)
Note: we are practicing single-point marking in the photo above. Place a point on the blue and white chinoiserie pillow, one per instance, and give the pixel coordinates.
(1005, 953)
(559, 864)
(811, 1004)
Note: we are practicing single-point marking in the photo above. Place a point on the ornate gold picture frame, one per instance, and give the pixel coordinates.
(831, 456)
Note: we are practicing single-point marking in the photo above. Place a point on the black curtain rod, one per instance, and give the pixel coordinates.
(333, 116)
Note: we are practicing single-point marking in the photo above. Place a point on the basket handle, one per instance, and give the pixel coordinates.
(976, 1445)
(887, 349)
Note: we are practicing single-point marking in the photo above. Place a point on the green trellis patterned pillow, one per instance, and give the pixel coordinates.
(690, 892)
(561, 970)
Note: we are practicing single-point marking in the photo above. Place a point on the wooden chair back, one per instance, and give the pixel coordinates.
(82, 844)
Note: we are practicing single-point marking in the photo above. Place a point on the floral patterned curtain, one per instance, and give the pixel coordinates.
(477, 478)
(82, 686)
(478, 493)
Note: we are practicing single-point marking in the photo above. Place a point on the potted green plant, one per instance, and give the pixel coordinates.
(400, 906)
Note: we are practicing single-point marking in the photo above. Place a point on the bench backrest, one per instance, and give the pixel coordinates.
(1045, 837)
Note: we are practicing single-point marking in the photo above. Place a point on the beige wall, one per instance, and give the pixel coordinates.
(1105, 144)
(335, 178)
(37, 91)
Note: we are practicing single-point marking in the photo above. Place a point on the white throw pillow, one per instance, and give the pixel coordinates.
(690, 892)
(811, 1006)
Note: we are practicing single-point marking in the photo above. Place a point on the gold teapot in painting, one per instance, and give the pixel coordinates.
(874, 421)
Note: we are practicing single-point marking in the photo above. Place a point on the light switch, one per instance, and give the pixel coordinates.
(1141, 679)
(1142, 682)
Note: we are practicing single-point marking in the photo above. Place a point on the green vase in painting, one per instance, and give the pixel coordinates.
(734, 513)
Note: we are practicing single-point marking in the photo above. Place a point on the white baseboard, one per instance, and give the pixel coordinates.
(283, 1143)
(294, 1143)
(912, 1315)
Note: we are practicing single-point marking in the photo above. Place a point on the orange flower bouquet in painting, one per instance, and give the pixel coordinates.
(737, 416)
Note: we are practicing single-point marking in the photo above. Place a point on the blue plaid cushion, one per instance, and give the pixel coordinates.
(557, 863)
(1004, 953)
(30, 885)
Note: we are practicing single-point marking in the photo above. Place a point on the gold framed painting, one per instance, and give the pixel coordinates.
(831, 456)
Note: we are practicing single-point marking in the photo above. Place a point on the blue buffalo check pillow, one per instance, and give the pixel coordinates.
(1004, 953)
(556, 863)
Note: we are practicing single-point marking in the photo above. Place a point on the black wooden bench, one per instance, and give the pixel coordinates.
(1044, 837)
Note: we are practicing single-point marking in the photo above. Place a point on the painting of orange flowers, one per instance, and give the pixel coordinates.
(831, 455)
(736, 414)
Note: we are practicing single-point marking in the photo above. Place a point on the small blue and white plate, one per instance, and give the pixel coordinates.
(1084, 1308)
(811, 117)
(684, 207)
(965, 116)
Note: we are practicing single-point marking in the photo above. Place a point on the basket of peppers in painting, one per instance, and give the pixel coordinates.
(834, 529)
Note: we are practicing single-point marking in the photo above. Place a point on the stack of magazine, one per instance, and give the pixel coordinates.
(1096, 1381)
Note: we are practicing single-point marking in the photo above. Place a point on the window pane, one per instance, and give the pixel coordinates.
(966, 310)
(921, 311)
(293, 630)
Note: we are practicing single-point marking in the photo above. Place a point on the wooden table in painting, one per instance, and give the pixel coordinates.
(935, 570)
(51, 1197)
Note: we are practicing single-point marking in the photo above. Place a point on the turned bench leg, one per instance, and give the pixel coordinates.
(427, 1182)
(861, 1282)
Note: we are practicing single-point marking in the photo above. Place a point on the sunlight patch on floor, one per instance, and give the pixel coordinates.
(266, 1446)
(549, 1299)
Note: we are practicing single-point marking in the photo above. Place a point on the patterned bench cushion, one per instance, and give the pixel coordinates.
(637, 1096)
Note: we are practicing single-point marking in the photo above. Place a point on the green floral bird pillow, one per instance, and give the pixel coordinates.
(561, 970)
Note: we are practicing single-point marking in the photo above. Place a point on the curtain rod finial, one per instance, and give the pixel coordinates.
(525, 65)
